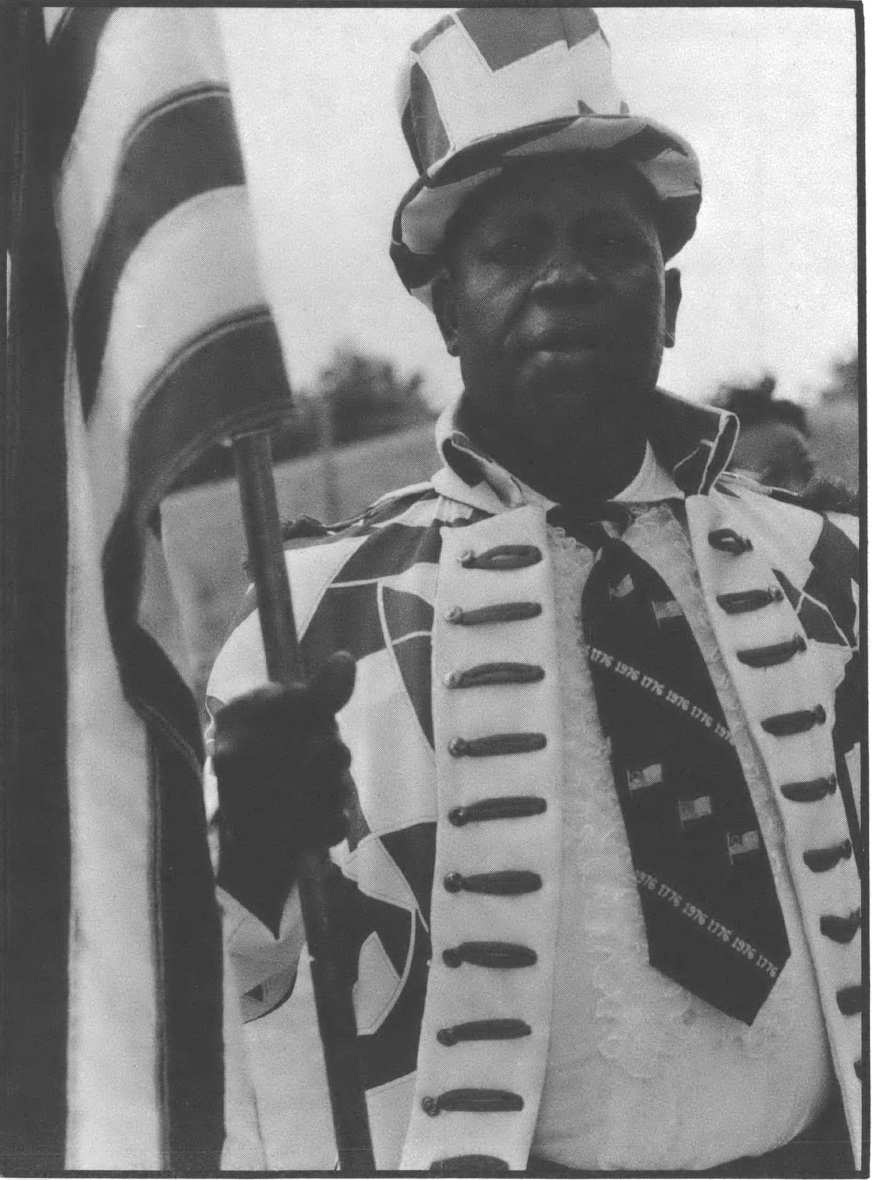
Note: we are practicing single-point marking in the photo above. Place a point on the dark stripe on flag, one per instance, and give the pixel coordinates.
(153, 686)
(72, 54)
(185, 147)
(194, 402)
(190, 950)
(34, 809)
(231, 378)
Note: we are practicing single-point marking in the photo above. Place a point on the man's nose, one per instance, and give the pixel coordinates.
(566, 274)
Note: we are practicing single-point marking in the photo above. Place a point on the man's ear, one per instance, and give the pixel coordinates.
(445, 309)
(672, 301)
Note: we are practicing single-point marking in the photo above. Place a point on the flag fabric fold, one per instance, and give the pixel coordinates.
(138, 335)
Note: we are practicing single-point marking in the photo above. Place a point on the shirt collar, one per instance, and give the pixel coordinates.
(697, 442)
(650, 483)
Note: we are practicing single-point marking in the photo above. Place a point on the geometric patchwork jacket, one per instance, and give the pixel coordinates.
(410, 590)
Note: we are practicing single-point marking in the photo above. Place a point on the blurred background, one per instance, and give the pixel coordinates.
(767, 96)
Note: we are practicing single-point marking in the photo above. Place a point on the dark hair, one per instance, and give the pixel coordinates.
(754, 405)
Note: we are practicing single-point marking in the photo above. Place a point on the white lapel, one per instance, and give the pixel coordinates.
(734, 553)
(459, 992)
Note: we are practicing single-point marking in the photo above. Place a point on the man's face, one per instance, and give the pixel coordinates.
(557, 303)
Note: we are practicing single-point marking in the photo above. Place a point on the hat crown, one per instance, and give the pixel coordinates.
(485, 86)
(482, 72)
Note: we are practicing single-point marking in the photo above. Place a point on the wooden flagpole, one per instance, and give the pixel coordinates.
(336, 1023)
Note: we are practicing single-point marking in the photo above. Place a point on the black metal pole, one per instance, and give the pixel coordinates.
(336, 1021)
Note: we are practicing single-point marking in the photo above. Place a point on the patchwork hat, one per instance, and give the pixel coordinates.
(488, 85)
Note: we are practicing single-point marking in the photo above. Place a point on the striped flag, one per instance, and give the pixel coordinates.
(137, 336)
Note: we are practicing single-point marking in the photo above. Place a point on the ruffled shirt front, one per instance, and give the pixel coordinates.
(641, 1074)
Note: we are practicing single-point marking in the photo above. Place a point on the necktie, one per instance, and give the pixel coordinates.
(712, 916)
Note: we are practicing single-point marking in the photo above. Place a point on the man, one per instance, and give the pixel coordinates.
(596, 858)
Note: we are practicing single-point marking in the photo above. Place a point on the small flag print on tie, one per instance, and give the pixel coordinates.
(742, 845)
(645, 776)
(623, 588)
(669, 609)
(691, 809)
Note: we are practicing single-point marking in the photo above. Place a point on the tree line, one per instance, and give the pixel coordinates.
(356, 396)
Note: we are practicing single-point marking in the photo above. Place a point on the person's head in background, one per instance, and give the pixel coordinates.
(773, 445)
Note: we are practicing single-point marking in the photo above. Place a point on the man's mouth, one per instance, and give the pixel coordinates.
(566, 339)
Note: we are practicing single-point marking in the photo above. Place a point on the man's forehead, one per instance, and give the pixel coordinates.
(588, 187)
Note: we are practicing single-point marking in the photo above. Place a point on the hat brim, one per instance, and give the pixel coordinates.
(664, 160)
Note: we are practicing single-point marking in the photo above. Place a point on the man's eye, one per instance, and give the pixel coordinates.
(615, 240)
(512, 250)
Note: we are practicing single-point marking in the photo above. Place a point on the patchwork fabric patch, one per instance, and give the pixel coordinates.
(515, 36)
(390, 1049)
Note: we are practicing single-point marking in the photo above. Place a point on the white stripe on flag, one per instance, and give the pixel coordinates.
(178, 284)
(144, 57)
(114, 1119)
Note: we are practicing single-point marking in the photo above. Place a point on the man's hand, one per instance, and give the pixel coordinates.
(283, 784)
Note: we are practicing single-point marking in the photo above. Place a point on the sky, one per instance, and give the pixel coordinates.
(765, 95)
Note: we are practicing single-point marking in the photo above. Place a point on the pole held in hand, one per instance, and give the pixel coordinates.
(336, 1023)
